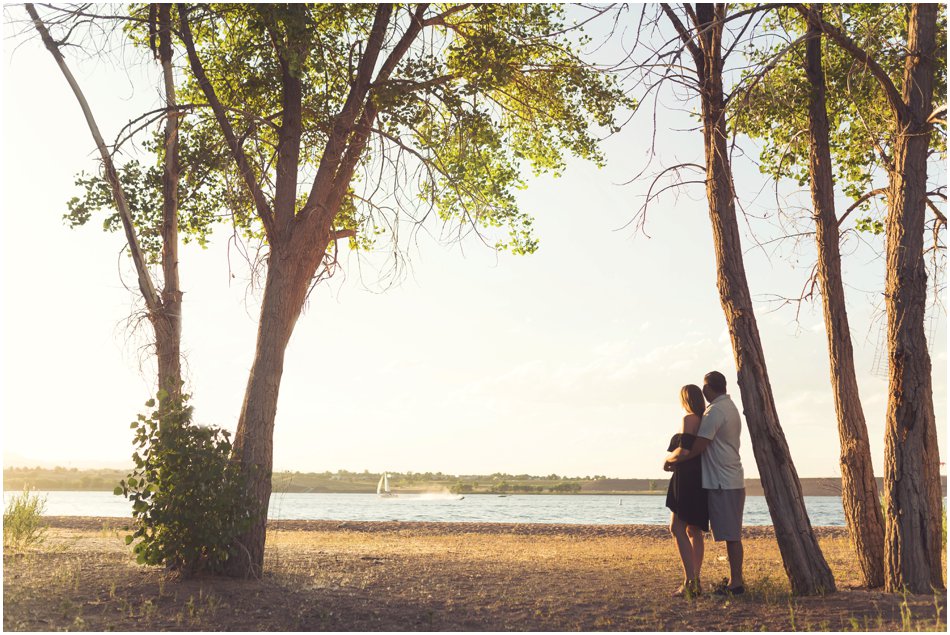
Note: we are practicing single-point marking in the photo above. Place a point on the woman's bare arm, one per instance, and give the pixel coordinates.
(690, 426)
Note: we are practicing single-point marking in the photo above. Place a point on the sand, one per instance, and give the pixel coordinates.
(385, 576)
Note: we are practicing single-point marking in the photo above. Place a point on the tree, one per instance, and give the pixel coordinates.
(785, 104)
(163, 308)
(858, 487)
(913, 501)
(168, 323)
(804, 563)
(448, 101)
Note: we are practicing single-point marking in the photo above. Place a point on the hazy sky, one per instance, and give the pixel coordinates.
(569, 360)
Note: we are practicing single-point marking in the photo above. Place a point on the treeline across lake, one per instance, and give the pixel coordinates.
(341, 481)
(346, 482)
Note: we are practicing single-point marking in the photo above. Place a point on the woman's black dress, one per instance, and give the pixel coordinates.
(686, 497)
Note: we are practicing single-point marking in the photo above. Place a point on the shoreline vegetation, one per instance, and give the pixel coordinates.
(396, 576)
(346, 482)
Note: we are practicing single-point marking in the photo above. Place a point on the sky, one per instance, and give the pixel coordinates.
(567, 361)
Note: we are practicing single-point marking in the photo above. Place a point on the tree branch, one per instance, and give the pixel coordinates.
(353, 151)
(894, 99)
(288, 139)
(358, 140)
(403, 45)
(440, 19)
(933, 208)
(684, 34)
(146, 286)
(342, 233)
(857, 203)
(244, 167)
(766, 69)
(344, 121)
(939, 115)
(171, 292)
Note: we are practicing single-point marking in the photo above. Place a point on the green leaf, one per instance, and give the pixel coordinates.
(117, 491)
(774, 110)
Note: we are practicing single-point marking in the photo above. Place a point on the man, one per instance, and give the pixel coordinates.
(723, 479)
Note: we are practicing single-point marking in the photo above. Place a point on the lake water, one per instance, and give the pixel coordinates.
(560, 509)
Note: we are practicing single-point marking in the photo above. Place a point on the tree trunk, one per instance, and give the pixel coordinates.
(167, 321)
(859, 495)
(298, 238)
(911, 464)
(290, 273)
(804, 563)
(164, 311)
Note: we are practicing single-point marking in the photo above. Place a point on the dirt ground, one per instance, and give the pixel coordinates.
(361, 576)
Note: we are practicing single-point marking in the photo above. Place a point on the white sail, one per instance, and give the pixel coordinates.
(382, 488)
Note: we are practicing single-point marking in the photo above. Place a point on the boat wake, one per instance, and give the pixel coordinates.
(440, 496)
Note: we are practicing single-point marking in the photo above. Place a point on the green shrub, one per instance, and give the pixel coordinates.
(188, 497)
(22, 522)
(462, 488)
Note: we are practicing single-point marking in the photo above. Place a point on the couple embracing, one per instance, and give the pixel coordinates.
(707, 488)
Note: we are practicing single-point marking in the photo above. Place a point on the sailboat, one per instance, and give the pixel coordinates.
(382, 489)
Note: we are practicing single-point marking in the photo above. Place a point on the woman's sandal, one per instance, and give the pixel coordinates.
(689, 589)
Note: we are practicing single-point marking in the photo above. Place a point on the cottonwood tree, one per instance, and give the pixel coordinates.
(858, 486)
(160, 230)
(825, 121)
(787, 108)
(174, 459)
(695, 60)
(342, 119)
(912, 497)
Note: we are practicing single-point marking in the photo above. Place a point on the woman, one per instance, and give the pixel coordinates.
(686, 497)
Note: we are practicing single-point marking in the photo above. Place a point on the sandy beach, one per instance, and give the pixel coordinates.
(367, 576)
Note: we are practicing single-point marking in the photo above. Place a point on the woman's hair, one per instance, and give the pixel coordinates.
(691, 396)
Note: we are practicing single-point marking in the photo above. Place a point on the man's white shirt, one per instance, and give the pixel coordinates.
(721, 465)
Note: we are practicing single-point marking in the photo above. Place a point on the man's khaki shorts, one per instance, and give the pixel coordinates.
(725, 513)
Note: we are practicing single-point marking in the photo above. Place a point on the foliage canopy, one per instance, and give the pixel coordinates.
(483, 93)
(862, 126)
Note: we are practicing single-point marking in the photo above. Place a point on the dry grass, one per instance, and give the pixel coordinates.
(426, 576)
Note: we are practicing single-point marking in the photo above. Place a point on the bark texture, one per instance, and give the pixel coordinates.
(912, 489)
(859, 494)
(804, 562)
(911, 463)
(167, 320)
(288, 280)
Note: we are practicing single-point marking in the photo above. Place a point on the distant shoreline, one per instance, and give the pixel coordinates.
(658, 531)
(62, 480)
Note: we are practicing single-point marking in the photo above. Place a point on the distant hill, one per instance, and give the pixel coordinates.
(829, 486)
(342, 481)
